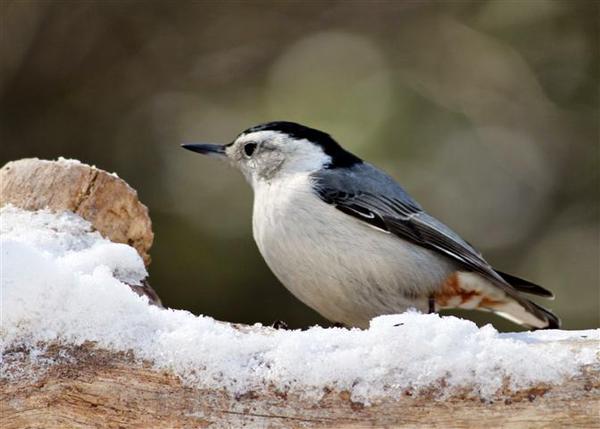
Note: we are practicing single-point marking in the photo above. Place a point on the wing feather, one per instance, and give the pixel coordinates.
(373, 197)
(398, 214)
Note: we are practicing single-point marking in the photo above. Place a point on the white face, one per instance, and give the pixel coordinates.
(266, 155)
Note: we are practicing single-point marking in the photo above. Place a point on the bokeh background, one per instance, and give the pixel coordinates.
(486, 111)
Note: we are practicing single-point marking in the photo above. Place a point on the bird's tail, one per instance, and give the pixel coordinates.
(553, 320)
(525, 286)
(469, 290)
(526, 313)
(545, 318)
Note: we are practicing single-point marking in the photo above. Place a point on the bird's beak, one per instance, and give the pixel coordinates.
(214, 150)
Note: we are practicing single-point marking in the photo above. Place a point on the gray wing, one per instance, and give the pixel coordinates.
(371, 196)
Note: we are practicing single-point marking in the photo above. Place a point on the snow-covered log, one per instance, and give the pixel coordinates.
(80, 349)
(85, 386)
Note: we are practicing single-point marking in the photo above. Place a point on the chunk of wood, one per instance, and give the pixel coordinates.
(103, 199)
(89, 387)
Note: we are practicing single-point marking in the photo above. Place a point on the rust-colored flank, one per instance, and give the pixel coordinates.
(452, 294)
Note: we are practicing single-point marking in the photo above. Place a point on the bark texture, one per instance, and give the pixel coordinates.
(103, 199)
(93, 388)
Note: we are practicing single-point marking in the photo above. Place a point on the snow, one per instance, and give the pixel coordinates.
(67, 161)
(60, 281)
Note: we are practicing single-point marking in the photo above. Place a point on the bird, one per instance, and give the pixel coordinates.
(348, 241)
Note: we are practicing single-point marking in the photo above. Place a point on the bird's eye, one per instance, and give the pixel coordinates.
(249, 149)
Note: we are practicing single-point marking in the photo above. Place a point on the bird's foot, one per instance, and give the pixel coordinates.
(431, 302)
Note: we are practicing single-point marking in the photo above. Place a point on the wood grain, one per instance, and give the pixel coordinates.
(93, 388)
(103, 199)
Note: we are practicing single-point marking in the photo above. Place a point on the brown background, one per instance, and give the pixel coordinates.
(486, 111)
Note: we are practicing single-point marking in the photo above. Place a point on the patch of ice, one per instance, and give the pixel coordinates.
(62, 282)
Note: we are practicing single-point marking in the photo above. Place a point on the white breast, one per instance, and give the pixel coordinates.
(346, 270)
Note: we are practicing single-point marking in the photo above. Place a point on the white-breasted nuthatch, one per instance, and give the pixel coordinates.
(349, 242)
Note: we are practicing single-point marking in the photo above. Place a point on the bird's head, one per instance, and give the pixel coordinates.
(272, 150)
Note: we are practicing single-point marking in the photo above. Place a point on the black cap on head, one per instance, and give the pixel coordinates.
(340, 158)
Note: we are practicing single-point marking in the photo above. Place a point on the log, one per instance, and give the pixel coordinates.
(101, 198)
(89, 387)
(83, 385)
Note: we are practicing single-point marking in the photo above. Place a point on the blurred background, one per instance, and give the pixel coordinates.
(486, 111)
